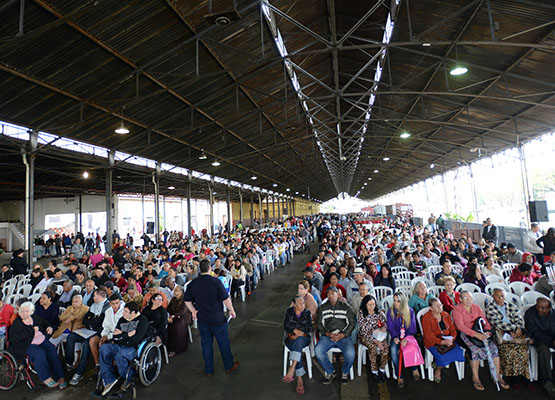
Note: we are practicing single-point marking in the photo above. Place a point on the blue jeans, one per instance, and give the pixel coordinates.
(123, 356)
(296, 347)
(394, 352)
(85, 351)
(207, 334)
(45, 360)
(345, 345)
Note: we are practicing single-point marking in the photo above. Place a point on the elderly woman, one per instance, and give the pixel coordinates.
(372, 333)
(298, 327)
(70, 320)
(401, 323)
(465, 316)
(420, 297)
(449, 298)
(178, 321)
(509, 333)
(439, 337)
(28, 337)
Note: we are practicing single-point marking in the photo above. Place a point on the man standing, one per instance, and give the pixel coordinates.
(540, 323)
(204, 298)
(336, 321)
(530, 245)
(490, 231)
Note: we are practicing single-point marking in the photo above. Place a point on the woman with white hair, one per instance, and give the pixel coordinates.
(420, 297)
(27, 336)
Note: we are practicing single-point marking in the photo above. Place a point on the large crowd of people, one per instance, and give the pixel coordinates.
(95, 308)
(401, 290)
(391, 288)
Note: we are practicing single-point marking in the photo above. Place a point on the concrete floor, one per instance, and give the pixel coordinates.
(256, 341)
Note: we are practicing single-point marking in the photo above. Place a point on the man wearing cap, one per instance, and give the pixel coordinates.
(353, 286)
(18, 264)
(335, 320)
(513, 255)
(316, 279)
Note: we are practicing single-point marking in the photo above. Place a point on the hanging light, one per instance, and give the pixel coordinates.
(171, 187)
(202, 155)
(458, 69)
(254, 177)
(405, 135)
(376, 171)
(288, 190)
(122, 129)
(432, 166)
(369, 179)
(386, 158)
(274, 184)
(216, 163)
(85, 175)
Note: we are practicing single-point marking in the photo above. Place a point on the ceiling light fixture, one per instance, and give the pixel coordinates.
(85, 175)
(216, 163)
(432, 166)
(288, 190)
(386, 158)
(171, 187)
(202, 155)
(458, 69)
(296, 192)
(254, 177)
(274, 184)
(426, 44)
(405, 135)
(376, 171)
(121, 129)
(369, 179)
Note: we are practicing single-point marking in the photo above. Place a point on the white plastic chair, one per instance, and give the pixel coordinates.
(429, 357)
(472, 288)
(508, 266)
(432, 271)
(397, 270)
(531, 297)
(436, 290)
(25, 290)
(519, 288)
(489, 288)
(381, 292)
(8, 288)
(513, 298)
(482, 300)
(361, 360)
(507, 274)
(34, 297)
(306, 352)
(404, 275)
(406, 290)
(419, 279)
(495, 279)
(330, 356)
(387, 302)
(39, 289)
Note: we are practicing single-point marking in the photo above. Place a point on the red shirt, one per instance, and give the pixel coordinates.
(6, 315)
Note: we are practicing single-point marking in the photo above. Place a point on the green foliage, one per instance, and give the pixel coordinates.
(460, 218)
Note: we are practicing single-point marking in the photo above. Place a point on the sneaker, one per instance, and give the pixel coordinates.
(328, 378)
(109, 387)
(344, 379)
(76, 379)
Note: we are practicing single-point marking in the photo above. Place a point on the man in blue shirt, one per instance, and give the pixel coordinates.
(204, 298)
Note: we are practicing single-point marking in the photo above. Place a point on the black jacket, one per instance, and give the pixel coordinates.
(291, 322)
(93, 322)
(540, 329)
(19, 266)
(158, 321)
(20, 335)
(491, 235)
(139, 324)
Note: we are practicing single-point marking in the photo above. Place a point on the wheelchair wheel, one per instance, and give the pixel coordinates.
(8, 371)
(150, 363)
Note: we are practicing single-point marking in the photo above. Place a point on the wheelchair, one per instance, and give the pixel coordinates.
(11, 371)
(147, 364)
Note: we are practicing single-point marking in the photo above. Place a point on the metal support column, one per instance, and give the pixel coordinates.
(189, 227)
(229, 216)
(268, 207)
(241, 214)
(260, 207)
(273, 207)
(109, 204)
(525, 184)
(81, 212)
(156, 182)
(29, 161)
(252, 209)
(143, 210)
(211, 200)
(474, 196)
(444, 192)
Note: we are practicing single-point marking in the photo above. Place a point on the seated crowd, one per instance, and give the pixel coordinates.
(399, 289)
(101, 308)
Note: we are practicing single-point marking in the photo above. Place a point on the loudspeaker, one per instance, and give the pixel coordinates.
(150, 228)
(538, 211)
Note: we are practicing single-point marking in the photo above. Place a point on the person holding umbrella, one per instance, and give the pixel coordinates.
(475, 332)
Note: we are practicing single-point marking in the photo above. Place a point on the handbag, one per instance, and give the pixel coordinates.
(412, 356)
(477, 326)
(442, 349)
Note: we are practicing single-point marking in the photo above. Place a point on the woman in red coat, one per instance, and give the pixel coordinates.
(449, 298)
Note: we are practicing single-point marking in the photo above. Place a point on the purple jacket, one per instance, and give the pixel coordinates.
(394, 324)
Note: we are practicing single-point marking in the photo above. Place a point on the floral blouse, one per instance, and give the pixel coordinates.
(367, 325)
